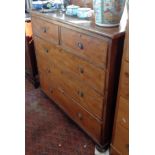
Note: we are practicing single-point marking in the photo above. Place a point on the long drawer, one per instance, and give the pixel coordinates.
(88, 47)
(45, 30)
(93, 76)
(86, 121)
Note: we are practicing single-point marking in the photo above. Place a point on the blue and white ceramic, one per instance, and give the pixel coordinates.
(84, 13)
(72, 10)
(37, 5)
(108, 13)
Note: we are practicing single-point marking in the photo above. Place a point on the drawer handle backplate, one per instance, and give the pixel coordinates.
(81, 70)
(81, 94)
(44, 29)
(46, 50)
(80, 45)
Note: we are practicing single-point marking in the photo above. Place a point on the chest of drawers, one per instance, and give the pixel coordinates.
(78, 68)
(120, 138)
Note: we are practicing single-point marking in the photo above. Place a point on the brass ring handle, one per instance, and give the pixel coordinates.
(79, 115)
(80, 45)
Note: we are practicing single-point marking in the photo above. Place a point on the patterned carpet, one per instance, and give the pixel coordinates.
(49, 131)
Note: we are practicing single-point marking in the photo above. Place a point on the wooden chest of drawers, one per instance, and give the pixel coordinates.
(79, 69)
(120, 138)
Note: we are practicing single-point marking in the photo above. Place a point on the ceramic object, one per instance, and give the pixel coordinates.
(84, 13)
(57, 5)
(72, 10)
(108, 13)
(38, 4)
(47, 5)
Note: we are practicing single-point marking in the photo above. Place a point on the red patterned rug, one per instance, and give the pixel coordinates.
(48, 130)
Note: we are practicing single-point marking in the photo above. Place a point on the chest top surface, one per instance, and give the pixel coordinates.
(88, 25)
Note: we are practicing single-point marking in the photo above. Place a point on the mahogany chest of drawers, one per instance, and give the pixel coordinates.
(78, 65)
(120, 138)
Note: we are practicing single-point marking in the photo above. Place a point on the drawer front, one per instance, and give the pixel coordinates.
(90, 48)
(43, 62)
(93, 76)
(78, 91)
(124, 90)
(45, 30)
(123, 113)
(121, 140)
(76, 112)
(43, 48)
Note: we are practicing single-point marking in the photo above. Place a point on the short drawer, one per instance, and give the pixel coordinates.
(124, 88)
(93, 76)
(121, 140)
(77, 90)
(88, 47)
(123, 113)
(76, 112)
(45, 30)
